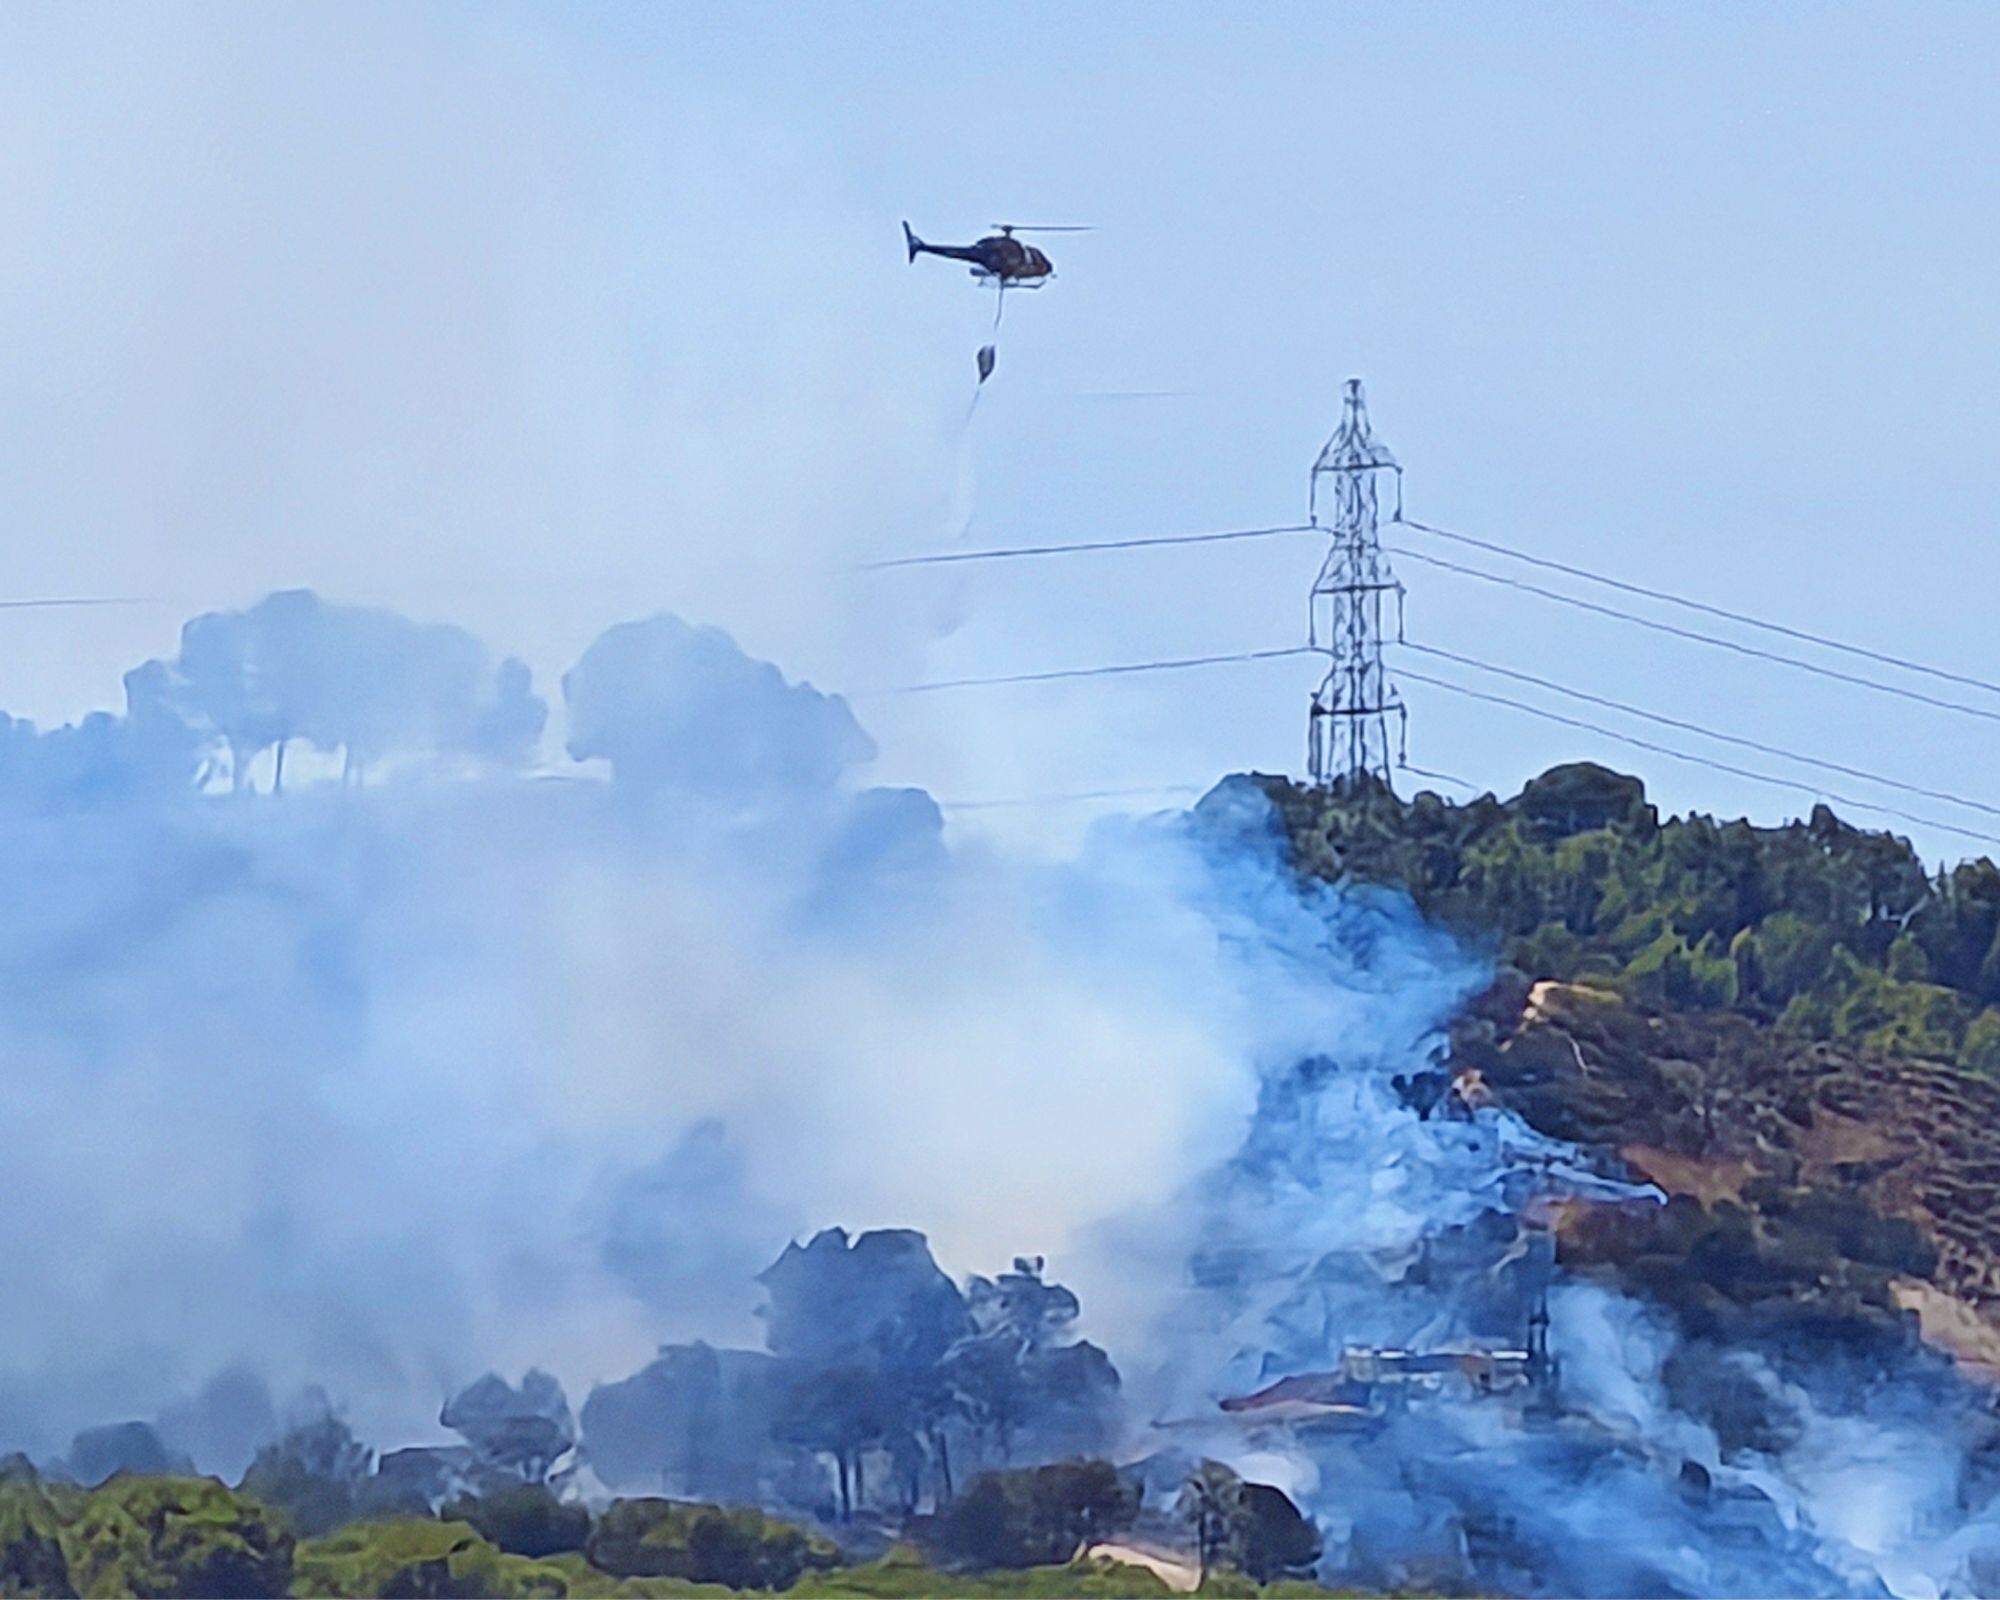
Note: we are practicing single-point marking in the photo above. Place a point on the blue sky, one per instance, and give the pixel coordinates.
(536, 318)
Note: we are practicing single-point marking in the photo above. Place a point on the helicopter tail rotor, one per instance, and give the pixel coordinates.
(915, 244)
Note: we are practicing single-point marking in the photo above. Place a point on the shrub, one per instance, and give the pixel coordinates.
(523, 1520)
(1275, 1540)
(1981, 1051)
(740, 1548)
(416, 1556)
(31, 1554)
(1034, 1516)
(177, 1536)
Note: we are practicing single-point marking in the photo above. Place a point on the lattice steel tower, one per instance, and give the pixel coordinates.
(1347, 734)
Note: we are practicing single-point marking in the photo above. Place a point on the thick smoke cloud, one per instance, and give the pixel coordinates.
(1349, 1218)
(383, 1085)
(378, 1087)
(361, 684)
(677, 707)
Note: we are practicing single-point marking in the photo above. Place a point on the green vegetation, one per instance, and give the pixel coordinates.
(734, 1547)
(32, 1561)
(1249, 1527)
(176, 1536)
(1833, 932)
(904, 1573)
(524, 1520)
(409, 1556)
(1034, 1516)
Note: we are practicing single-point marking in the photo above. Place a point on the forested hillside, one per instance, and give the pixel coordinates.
(1793, 1031)
(1831, 932)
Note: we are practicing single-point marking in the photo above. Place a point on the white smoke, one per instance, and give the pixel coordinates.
(1343, 1220)
(378, 1087)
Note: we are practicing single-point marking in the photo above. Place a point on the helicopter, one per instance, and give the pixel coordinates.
(999, 258)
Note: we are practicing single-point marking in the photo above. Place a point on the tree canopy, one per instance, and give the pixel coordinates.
(1834, 932)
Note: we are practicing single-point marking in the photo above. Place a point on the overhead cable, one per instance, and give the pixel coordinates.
(1120, 670)
(1620, 615)
(77, 600)
(1669, 598)
(1160, 789)
(1702, 729)
(1745, 619)
(1436, 777)
(1695, 760)
(939, 558)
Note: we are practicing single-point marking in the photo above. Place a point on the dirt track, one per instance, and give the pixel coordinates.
(1176, 1572)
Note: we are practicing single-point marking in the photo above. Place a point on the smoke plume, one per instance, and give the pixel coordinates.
(436, 1061)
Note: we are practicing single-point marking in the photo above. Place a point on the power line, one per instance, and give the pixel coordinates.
(1705, 608)
(1699, 728)
(1699, 761)
(948, 557)
(1904, 663)
(78, 600)
(939, 558)
(1438, 777)
(1697, 636)
(1067, 799)
(1092, 672)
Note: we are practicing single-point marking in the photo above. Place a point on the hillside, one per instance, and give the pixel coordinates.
(1793, 1031)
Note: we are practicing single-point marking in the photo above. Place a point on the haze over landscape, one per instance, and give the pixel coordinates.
(539, 1067)
(524, 318)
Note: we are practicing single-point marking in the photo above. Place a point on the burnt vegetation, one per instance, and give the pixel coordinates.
(1792, 1031)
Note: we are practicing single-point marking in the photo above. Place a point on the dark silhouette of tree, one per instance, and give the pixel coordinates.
(1035, 1516)
(1208, 1504)
(519, 1432)
(523, 1519)
(314, 1474)
(1251, 1526)
(837, 1412)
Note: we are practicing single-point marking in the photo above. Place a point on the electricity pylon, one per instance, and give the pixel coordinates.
(1348, 731)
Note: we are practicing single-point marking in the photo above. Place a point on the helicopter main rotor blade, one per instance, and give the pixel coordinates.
(1046, 227)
